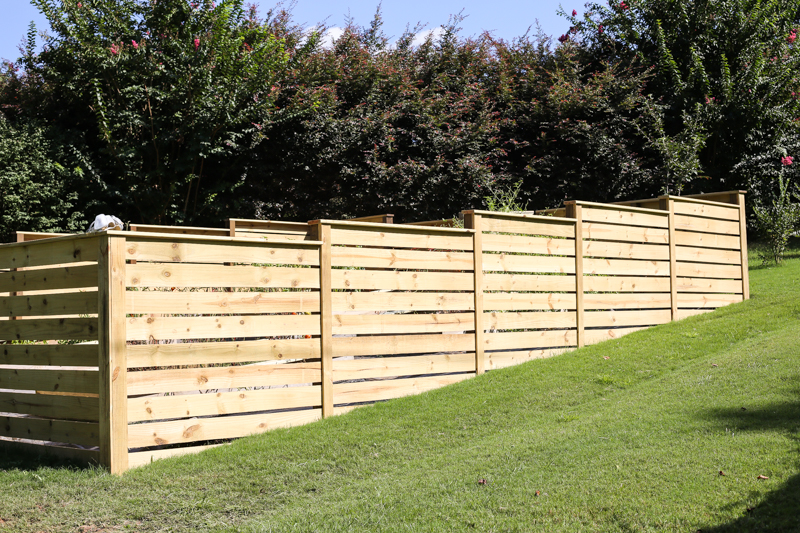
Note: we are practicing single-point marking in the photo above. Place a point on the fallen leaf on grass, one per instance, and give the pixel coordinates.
(721, 473)
(762, 477)
(606, 357)
(482, 482)
(537, 492)
(714, 365)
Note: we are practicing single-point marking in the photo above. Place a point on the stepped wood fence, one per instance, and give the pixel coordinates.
(124, 347)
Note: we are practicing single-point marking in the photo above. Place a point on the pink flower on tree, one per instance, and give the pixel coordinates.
(196, 44)
(787, 160)
(600, 29)
(623, 6)
(114, 49)
(80, 5)
(791, 37)
(574, 12)
(135, 45)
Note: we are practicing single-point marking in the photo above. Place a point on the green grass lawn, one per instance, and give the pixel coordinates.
(628, 435)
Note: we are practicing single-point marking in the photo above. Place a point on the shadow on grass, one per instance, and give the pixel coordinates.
(780, 510)
(31, 462)
(792, 252)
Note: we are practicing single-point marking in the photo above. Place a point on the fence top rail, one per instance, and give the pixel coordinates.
(618, 207)
(254, 223)
(696, 197)
(515, 216)
(189, 230)
(141, 235)
(394, 227)
(687, 199)
(28, 236)
(50, 240)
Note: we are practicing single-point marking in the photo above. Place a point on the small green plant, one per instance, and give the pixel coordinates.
(505, 199)
(776, 222)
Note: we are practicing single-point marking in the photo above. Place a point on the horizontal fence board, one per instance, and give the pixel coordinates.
(529, 340)
(250, 302)
(623, 250)
(707, 300)
(626, 301)
(625, 267)
(229, 427)
(137, 459)
(194, 275)
(402, 301)
(386, 236)
(50, 329)
(625, 284)
(527, 282)
(81, 433)
(58, 251)
(184, 230)
(228, 377)
(556, 228)
(73, 303)
(706, 210)
(707, 255)
(611, 232)
(374, 391)
(206, 353)
(176, 251)
(78, 455)
(50, 380)
(621, 216)
(593, 336)
(208, 327)
(49, 354)
(595, 319)
(703, 270)
(402, 323)
(534, 320)
(686, 313)
(706, 225)
(222, 403)
(270, 226)
(84, 408)
(401, 344)
(383, 367)
(401, 281)
(62, 277)
(352, 256)
(528, 263)
(709, 285)
(271, 237)
(521, 301)
(495, 242)
(497, 360)
(707, 240)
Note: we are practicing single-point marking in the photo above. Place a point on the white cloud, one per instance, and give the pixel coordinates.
(330, 37)
(435, 34)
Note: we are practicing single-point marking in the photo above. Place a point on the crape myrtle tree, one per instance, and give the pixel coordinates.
(163, 94)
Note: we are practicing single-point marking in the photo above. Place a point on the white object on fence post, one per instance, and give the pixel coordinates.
(105, 223)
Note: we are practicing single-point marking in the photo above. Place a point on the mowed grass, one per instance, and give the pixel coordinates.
(629, 435)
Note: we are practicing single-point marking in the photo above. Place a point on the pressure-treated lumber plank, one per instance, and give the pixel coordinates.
(229, 427)
(402, 344)
(137, 459)
(184, 230)
(504, 262)
(625, 284)
(669, 205)
(188, 251)
(475, 222)
(402, 323)
(624, 250)
(401, 301)
(706, 225)
(398, 236)
(707, 240)
(78, 455)
(575, 210)
(50, 329)
(270, 226)
(627, 301)
(401, 280)
(49, 354)
(530, 339)
(709, 285)
(194, 275)
(739, 196)
(625, 267)
(593, 336)
(272, 238)
(533, 320)
(374, 391)
(627, 318)
(221, 403)
(209, 327)
(27, 236)
(611, 232)
(704, 270)
(75, 303)
(542, 226)
(527, 282)
(250, 302)
(383, 367)
(386, 218)
(56, 251)
(495, 242)
(56, 380)
(326, 319)
(350, 256)
(66, 407)
(684, 207)
(62, 277)
(651, 219)
(522, 301)
(228, 377)
(707, 300)
(708, 255)
(70, 432)
(497, 360)
(206, 353)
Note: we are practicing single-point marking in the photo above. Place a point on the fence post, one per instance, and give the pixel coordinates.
(473, 221)
(323, 233)
(738, 199)
(665, 203)
(112, 353)
(574, 210)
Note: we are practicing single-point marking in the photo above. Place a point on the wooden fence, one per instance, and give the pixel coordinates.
(132, 346)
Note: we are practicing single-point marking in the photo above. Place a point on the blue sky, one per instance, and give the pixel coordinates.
(505, 18)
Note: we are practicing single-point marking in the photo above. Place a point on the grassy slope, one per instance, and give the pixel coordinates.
(634, 442)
